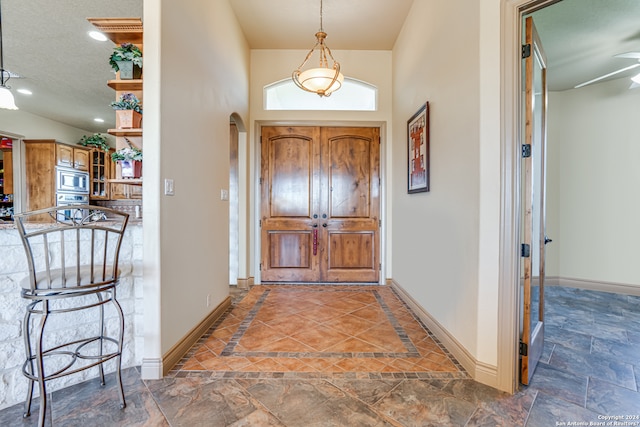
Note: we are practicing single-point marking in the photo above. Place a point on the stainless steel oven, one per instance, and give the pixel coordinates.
(71, 200)
(71, 181)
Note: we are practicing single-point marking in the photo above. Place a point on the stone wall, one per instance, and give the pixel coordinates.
(13, 268)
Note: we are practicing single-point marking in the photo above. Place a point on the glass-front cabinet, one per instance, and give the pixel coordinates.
(100, 168)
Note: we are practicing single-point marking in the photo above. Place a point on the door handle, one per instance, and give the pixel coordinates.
(324, 225)
(547, 240)
(315, 240)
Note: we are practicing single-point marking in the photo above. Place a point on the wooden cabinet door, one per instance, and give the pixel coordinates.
(8, 171)
(81, 159)
(320, 204)
(64, 155)
(40, 158)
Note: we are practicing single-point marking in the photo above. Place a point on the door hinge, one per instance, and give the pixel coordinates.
(260, 180)
(524, 349)
(380, 267)
(526, 51)
(260, 266)
(526, 151)
(259, 223)
(525, 250)
(380, 223)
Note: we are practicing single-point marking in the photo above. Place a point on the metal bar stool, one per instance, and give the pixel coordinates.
(72, 252)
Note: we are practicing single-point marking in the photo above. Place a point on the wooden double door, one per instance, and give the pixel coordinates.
(320, 204)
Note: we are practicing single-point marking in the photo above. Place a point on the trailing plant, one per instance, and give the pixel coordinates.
(127, 153)
(96, 140)
(125, 52)
(127, 101)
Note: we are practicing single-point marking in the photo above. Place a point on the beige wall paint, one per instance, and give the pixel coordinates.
(203, 78)
(436, 242)
(31, 126)
(593, 146)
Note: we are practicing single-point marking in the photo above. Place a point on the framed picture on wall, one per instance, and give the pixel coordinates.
(418, 150)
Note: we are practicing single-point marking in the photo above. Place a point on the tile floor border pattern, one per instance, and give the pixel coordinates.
(429, 333)
(412, 351)
(178, 372)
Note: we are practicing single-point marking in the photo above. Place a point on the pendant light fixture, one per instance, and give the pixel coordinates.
(322, 80)
(6, 97)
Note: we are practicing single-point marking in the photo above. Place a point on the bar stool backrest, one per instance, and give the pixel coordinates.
(71, 249)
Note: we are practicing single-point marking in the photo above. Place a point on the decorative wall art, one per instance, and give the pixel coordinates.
(418, 150)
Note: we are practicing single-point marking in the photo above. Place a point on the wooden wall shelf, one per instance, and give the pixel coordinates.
(125, 181)
(125, 85)
(119, 30)
(125, 132)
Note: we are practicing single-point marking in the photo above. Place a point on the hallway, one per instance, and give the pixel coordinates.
(590, 368)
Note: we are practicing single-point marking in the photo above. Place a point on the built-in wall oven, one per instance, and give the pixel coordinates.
(72, 188)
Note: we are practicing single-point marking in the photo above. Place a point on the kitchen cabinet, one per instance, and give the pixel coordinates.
(6, 172)
(72, 157)
(100, 173)
(41, 158)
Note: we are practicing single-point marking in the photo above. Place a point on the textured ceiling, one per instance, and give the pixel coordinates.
(581, 37)
(46, 42)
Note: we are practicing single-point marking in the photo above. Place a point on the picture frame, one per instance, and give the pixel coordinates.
(418, 151)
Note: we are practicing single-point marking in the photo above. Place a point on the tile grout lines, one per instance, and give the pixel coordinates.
(251, 315)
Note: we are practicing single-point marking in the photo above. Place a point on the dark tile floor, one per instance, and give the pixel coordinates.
(590, 370)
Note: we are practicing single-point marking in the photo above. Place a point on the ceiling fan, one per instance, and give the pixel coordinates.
(635, 80)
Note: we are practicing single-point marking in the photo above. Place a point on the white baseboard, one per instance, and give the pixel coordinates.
(151, 369)
(479, 371)
(593, 285)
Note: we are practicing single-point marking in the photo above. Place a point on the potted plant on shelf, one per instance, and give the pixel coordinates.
(127, 58)
(130, 160)
(128, 111)
(96, 140)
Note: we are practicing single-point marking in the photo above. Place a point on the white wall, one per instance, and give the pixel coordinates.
(594, 149)
(201, 79)
(436, 235)
(31, 126)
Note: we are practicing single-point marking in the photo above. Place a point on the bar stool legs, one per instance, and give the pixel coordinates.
(34, 369)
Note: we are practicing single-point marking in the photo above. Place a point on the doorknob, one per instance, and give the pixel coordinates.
(324, 225)
(547, 240)
(315, 225)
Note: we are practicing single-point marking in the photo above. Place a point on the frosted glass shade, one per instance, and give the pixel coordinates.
(6, 99)
(319, 80)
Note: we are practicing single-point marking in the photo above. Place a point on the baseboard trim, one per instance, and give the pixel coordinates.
(593, 285)
(245, 283)
(151, 369)
(177, 352)
(479, 371)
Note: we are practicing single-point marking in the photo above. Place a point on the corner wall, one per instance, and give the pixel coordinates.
(199, 78)
(594, 179)
(439, 259)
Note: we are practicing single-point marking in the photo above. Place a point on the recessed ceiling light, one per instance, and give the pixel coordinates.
(99, 120)
(97, 35)
(25, 91)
